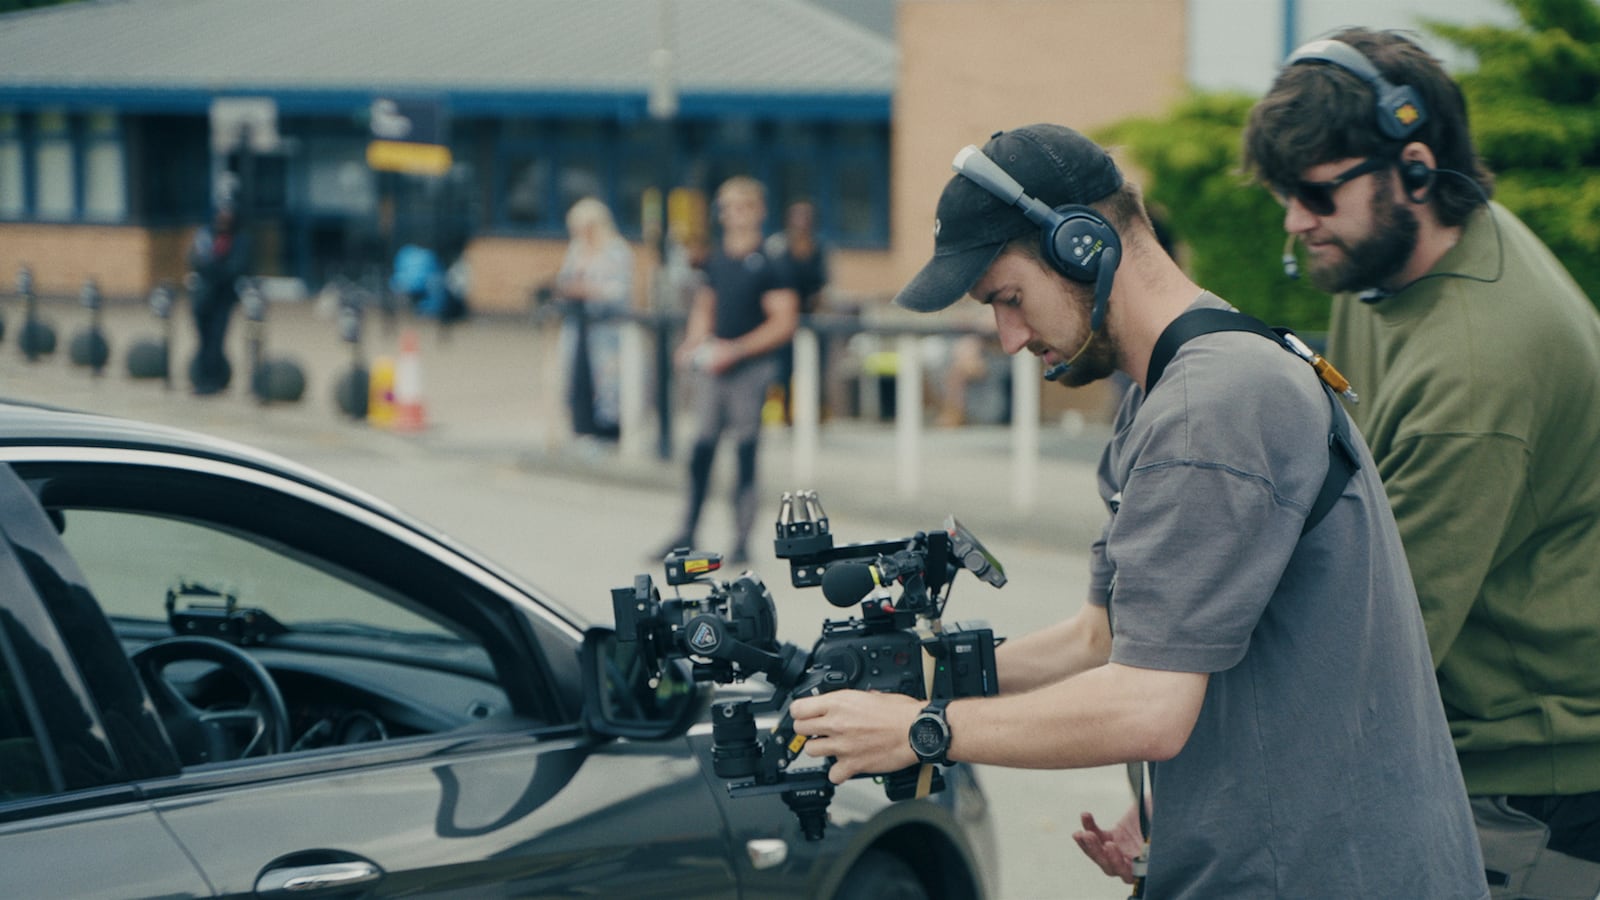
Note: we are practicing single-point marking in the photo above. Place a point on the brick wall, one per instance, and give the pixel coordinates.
(125, 260)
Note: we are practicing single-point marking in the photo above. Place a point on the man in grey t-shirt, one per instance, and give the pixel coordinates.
(1259, 646)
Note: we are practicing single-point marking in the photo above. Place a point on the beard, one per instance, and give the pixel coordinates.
(1098, 361)
(1099, 354)
(1378, 257)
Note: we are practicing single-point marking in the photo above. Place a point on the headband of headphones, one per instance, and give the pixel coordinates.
(1399, 108)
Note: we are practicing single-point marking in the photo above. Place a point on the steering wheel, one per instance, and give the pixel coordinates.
(258, 728)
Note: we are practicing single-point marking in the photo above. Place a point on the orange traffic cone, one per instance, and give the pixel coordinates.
(408, 412)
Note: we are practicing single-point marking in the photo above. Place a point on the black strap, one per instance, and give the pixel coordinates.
(1343, 460)
(1192, 324)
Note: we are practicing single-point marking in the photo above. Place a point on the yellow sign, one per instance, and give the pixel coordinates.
(404, 156)
(687, 220)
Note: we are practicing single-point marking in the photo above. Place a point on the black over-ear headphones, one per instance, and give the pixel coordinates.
(1399, 108)
(1075, 240)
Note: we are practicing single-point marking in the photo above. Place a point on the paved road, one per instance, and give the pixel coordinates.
(576, 520)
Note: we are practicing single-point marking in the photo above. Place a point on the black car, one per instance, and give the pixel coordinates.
(224, 675)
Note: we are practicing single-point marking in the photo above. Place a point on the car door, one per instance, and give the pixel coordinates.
(510, 815)
(519, 803)
(71, 822)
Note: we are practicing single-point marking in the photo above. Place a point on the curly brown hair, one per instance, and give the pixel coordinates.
(1317, 113)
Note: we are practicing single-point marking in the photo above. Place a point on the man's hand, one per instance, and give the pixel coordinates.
(863, 732)
(1113, 851)
(712, 355)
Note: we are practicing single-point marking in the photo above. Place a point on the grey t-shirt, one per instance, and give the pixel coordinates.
(1321, 764)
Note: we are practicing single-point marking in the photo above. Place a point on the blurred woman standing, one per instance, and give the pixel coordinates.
(596, 283)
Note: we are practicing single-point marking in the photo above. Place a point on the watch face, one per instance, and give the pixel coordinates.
(928, 737)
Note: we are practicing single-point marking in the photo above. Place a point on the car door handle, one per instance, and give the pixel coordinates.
(296, 881)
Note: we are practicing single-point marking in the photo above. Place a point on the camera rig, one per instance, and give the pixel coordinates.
(898, 644)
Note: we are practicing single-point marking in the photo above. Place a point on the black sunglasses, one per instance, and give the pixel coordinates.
(1317, 196)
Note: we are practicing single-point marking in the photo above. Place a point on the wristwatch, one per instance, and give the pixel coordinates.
(930, 734)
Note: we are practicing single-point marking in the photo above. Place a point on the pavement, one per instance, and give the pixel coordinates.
(490, 388)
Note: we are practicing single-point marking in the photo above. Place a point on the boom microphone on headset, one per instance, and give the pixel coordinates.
(1291, 266)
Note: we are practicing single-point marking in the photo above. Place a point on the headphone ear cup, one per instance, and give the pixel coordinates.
(1074, 244)
(1400, 111)
(1056, 246)
(1415, 175)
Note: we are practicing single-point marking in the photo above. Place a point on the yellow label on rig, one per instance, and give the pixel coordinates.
(798, 742)
(697, 565)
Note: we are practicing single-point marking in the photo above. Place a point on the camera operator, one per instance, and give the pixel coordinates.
(1275, 677)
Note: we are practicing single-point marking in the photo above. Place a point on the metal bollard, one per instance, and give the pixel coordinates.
(37, 338)
(255, 317)
(350, 391)
(152, 357)
(272, 380)
(89, 347)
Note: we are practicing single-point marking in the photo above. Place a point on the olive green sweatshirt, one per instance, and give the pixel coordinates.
(1480, 399)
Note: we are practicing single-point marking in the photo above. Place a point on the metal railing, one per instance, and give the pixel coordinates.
(648, 340)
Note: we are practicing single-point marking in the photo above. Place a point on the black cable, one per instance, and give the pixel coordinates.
(1373, 295)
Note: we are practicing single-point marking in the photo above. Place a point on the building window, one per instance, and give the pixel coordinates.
(105, 194)
(578, 175)
(56, 193)
(797, 153)
(526, 191)
(720, 150)
(541, 169)
(584, 151)
(645, 162)
(338, 180)
(13, 174)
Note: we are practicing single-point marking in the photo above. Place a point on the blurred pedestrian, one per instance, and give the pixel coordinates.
(596, 282)
(218, 257)
(802, 250)
(741, 316)
(964, 362)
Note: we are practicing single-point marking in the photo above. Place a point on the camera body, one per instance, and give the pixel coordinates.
(896, 645)
(727, 635)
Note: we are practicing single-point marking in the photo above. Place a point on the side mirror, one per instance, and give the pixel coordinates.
(622, 697)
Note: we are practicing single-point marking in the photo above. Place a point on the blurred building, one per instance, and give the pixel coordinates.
(347, 128)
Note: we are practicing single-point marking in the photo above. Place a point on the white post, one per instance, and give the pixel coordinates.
(908, 413)
(1024, 430)
(557, 421)
(805, 407)
(632, 443)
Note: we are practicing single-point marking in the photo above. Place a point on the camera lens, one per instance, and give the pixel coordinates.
(734, 750)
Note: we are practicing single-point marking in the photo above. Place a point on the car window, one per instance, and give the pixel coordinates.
(367, 630)
(136, 563)
(22, 765)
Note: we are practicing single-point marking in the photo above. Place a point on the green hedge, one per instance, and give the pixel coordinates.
(1534, 101)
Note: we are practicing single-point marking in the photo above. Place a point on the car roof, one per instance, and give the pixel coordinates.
(27, 424)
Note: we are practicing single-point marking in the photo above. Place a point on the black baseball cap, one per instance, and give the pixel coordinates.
(1052, 163)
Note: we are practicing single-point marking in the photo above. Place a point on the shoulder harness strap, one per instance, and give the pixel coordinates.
(1343, 460)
